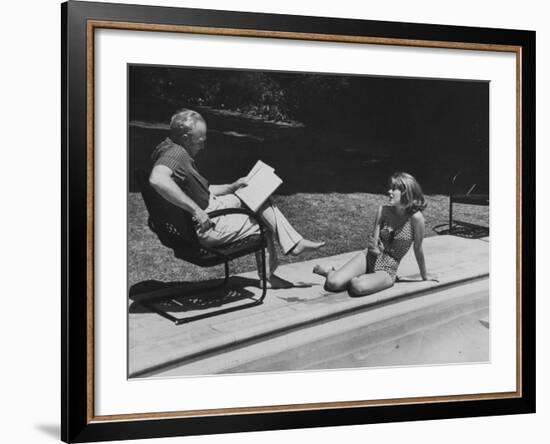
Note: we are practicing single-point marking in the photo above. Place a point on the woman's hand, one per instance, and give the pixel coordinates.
(431, 277)
(372, 246)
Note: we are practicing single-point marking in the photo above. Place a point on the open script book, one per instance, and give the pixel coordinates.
(261, 183)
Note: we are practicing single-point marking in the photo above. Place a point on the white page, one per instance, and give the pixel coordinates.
(259, 167)
(260, 187)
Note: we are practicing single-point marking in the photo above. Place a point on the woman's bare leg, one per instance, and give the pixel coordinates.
(323, 270)
(370, 283)
(339, 280)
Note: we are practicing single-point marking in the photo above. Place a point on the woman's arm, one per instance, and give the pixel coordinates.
(418, 225)
(373, 239)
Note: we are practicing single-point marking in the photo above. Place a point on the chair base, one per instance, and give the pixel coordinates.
(159, 295)
(467, 229)
(462, 229)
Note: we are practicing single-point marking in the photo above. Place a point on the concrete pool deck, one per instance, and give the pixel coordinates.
(156, 343)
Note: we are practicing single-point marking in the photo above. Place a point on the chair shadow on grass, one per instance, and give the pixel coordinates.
(197, 299)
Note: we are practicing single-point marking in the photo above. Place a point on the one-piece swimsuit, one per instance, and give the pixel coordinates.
(394, 244)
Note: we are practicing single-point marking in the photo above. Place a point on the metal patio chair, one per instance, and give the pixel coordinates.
(466, 188)
(174, 228)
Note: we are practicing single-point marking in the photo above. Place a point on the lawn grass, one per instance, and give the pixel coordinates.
(344, 221)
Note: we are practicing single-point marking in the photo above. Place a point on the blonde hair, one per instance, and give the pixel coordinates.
(183, 122)
(412, 196)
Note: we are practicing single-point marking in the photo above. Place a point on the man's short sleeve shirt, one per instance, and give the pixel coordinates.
(185, 173)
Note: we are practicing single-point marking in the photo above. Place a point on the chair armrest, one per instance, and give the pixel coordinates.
(453, 180)
(249, 213)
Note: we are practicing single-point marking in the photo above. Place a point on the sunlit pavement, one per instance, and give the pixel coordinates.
(449, 326)
(157, 346)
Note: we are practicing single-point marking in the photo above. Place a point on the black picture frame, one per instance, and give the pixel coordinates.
(78, 424)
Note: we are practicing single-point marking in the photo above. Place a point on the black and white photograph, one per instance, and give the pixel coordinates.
(286, 221)
(264, 222)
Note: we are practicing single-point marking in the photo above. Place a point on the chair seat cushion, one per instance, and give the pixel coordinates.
(471, 199)
(204, 258)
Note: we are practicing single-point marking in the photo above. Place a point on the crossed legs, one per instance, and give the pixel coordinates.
(352, 276)
(279, 226)
(231, 228)
(289, 239)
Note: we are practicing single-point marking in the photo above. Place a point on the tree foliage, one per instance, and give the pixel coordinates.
(424, 122)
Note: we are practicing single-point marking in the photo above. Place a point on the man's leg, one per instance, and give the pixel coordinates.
(278, 224)
(272, 258)
(289, 239)
(232, 228)
(229, 228)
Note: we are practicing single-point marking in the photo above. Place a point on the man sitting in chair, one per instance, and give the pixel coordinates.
(175, 177)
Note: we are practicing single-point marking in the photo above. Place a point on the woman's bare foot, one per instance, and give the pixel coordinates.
(322, 270)
(305, 245)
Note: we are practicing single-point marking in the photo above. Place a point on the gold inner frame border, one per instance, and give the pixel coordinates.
(92, 25)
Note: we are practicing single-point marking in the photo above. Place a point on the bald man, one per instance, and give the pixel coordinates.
(175, 177)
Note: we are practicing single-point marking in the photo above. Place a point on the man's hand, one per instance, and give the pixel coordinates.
(239, 183)
(203, 221)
